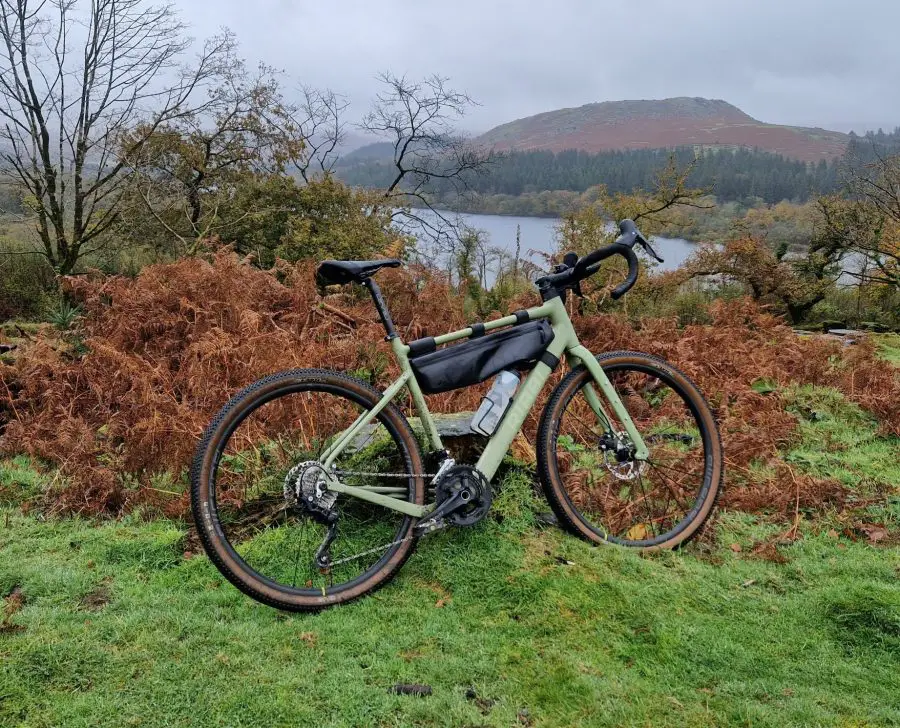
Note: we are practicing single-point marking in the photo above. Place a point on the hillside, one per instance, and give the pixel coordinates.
(673, 122)
(369, 152)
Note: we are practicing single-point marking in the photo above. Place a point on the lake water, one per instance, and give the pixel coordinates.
(539, 234)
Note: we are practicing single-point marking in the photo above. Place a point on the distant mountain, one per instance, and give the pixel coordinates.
(370, 152)
(676, 122)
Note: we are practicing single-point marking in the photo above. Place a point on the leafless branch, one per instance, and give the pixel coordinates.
(66, 104)
(418, 119)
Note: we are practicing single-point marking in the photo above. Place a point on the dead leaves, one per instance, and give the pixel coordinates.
(97, 598)
(638, 532)
(874, 533)
(166, 350)
(12, 604)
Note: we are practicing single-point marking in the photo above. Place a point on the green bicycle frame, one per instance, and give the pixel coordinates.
(565, 343)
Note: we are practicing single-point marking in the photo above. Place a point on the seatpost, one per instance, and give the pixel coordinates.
(382, 308)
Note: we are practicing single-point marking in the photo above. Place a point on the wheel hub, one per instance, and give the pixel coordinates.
(618, 456)
(306, 487)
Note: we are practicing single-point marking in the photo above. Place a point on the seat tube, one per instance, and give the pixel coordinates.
(382, 308)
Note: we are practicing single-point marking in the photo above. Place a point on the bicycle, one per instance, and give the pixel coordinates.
(309, 487)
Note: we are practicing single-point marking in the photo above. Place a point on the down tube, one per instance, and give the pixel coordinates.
(512, 422)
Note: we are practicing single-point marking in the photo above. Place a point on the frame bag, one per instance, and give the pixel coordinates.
(479, 359)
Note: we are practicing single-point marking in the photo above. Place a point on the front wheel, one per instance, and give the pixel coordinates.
(262, 512)
(596, 486)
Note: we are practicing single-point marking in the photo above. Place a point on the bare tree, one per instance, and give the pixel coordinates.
(418, 117)
(74, 76)
(319, 119)
(876, 220)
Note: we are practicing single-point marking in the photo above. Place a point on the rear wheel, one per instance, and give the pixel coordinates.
(254, 497)
(596, 486)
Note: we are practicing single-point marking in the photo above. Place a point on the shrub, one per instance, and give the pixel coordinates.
(27, 284)
(166, 349)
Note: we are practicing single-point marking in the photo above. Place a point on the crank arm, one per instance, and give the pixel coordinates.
(444, 509)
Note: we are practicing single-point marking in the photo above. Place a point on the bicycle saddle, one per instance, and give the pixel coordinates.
(339, 272)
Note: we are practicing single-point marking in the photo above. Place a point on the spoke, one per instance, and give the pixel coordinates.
(668, 496)
(674, 494)
(628, 505)
(645, 499)
(583, 423)
(297, 559)
(655, 464)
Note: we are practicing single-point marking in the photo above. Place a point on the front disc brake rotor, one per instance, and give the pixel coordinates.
(618, 457)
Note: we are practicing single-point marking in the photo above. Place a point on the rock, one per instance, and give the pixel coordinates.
(416, 689)
(449, 426)
(546, 518)
(829, 325)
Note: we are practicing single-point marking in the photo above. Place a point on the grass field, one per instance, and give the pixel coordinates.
(113, 624)
(889, 347)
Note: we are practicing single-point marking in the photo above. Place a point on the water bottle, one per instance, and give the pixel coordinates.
(495, 403)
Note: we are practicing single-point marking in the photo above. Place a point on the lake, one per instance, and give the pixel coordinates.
(539, 234)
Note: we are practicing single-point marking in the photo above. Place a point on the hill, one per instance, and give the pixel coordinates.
(683, 121)
(369, 152)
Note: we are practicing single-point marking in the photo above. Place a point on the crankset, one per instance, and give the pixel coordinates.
(463, 497)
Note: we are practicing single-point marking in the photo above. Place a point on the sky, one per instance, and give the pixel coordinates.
(828, 63)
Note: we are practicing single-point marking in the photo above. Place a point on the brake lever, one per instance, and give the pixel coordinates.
(650, 251)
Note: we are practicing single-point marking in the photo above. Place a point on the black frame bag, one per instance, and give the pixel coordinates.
(479, 359)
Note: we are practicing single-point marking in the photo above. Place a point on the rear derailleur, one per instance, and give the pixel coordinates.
(305, 488)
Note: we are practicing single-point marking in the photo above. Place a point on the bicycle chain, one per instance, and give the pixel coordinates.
(376, 549)
(385, 475)
(386, 546)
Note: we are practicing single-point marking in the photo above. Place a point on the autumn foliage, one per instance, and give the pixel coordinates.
(160, 354)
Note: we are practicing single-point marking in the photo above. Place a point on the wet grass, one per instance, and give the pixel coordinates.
(509, 623)
(889, 347)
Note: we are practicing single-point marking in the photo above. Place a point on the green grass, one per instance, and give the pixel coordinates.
(608, 639)
(889, 347)
(509, 624)
(839, 440)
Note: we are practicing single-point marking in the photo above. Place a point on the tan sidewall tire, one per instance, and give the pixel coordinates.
(220, 552)
(554, 488)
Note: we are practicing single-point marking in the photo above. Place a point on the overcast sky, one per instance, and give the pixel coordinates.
(830, 63)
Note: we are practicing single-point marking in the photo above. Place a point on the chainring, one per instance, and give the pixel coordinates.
(475, 488)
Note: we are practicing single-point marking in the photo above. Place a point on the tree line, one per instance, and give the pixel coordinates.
(730, 174)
